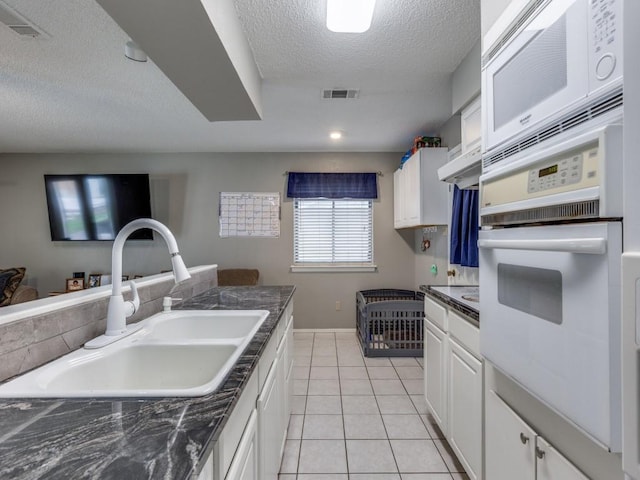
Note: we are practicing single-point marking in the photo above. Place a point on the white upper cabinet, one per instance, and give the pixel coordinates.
(419, 197)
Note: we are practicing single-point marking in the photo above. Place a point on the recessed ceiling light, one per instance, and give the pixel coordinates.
(352, 16)
(335, 135)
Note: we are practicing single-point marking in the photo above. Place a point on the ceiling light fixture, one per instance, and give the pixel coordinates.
(335, 135)
(133, 52)
(349, 16)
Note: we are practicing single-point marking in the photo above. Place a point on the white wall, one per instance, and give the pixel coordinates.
(185, 190)
(465, 81)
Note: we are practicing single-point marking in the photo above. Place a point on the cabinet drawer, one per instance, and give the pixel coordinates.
(466, 333)
(436, 313)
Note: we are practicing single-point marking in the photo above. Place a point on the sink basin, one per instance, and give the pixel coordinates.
(174, 354)
(204, 325)
(129, 371)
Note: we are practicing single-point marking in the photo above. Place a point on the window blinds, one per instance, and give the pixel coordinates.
(333, 231)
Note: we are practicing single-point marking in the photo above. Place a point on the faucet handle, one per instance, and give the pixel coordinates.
(132, 306)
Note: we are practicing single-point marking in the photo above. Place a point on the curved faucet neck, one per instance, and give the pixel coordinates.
(118, 247)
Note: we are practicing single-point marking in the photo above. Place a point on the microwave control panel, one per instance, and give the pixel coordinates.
(605, 22)
(564, 172)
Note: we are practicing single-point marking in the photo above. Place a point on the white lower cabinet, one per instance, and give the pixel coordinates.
(251, 444)
(207, 470)
(514, 450)
(465, 411)
(453, 383)
(435, 372)
(270, 425)
(245, 462)
(287, 371)
(273, 410)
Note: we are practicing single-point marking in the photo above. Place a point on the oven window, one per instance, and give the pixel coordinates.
(535, 73)
(536, 291)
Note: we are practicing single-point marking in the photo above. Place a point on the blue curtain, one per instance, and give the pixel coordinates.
(332, 185)
(464, 228)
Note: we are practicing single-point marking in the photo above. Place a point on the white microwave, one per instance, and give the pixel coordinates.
(557, 64)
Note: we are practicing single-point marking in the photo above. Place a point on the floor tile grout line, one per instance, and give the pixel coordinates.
(423, 420)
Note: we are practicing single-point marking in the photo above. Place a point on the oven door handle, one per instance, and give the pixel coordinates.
(594, 246)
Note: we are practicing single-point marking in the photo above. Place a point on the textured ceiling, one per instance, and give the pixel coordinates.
(74, 91)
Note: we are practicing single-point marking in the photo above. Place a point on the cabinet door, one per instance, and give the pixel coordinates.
(283, 416)
(269, 426)
(288, 384)
(509, 443)
(435, 373)
(207, 470)
(465, 408)
(245, 462)
(398, 196)
(412, 193)
(551, 465)
(434, 194)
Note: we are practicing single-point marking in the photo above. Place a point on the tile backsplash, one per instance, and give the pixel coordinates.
(37, 339)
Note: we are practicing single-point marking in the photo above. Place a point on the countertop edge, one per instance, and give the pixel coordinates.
(451, 302)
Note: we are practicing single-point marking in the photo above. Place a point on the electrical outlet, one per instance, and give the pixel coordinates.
(338, 305)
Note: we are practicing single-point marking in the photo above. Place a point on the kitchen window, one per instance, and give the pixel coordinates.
(332, 234)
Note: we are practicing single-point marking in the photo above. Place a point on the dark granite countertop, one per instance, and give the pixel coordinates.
(166, 438)
(456, 297)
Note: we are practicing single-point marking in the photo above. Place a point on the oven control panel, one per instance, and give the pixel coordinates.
(570, 171)
(566, 171)
(576, 179)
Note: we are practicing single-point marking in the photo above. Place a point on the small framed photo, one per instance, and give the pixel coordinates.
(94, 280)
(74, 284)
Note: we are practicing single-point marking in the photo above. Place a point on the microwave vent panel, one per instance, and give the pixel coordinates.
(510, 32)
(593, 110)
(340, 93)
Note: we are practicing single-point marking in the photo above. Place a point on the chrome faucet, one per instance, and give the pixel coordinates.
(119, 310)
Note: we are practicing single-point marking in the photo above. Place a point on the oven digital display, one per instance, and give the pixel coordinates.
(548, 171)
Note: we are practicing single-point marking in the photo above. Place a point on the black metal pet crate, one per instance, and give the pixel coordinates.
(390, 322)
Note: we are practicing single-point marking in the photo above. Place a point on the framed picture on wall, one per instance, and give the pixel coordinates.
(94, 280)
(74, 284)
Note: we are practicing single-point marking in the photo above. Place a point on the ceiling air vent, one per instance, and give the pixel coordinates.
(340, 93)
(17, 22)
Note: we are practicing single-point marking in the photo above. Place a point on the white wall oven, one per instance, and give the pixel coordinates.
(559, 64)
(550, 276)
(550, 318)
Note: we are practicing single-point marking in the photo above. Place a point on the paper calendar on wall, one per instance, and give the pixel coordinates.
(249, 214)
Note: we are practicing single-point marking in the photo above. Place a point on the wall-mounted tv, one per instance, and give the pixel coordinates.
(96, 207)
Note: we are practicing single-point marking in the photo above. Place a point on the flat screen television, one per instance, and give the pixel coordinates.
(96, 207)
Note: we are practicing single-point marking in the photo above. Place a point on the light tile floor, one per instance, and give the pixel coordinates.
(358, 418)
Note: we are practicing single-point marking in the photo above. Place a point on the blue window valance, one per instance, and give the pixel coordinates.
(332, 185)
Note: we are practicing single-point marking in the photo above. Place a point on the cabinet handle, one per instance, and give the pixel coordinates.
(539, 453)
(523, 438)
